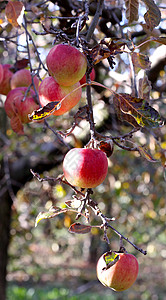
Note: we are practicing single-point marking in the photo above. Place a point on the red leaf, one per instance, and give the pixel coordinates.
(106, 147)
(79, 228)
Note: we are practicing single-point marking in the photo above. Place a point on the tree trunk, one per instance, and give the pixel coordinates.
(5, 219)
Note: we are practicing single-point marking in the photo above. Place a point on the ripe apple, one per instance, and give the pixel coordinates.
(1, 73)
(5, 83)
(121, 275)
(85, 167)
(50, 90)
(17, 108)
(92, 77)
(66, 64)
(23, 78)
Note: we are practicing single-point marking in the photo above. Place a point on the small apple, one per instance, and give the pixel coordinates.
(23, 78)
(85, 167)
(66, 64)
(92, 77)
(5, 83)
(17, 108)
(50, 90)
(121, 273)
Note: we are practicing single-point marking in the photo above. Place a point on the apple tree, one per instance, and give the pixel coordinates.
(79, 73)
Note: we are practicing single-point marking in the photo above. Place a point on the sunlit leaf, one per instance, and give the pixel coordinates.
(75, 203)
(139, 109)
(132, 10)
(45, 111)
(79, 228)
(14, 12)
(52, 213)
(140, 61)
(153, 15)
(145, 154)
(123, 116)
(144, 88)
(110, 258)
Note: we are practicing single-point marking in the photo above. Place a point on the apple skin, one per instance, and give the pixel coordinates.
(85, 168)
(121, 275)
(22, 78)
(50, 90)
(18, 110)
(66, 64)
(5, 82)
(92, 77)
(1, 73)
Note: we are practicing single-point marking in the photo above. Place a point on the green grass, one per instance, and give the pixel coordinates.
(15, 292)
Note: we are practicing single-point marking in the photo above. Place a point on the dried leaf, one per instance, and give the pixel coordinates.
(107, 147)
(132, 7)
(139, 109)
(145, 154)
(153, 15)
(140, 61)
(14, 12)
(45, 111)
(53, 212)
(144, 88)
(75, 203)
(79, 228)
(123, 116)
(160, 39)
(98, 53)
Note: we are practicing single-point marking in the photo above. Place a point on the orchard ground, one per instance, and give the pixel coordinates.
(53, 276)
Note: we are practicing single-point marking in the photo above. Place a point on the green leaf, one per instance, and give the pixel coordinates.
(138, 109)
(110, 259)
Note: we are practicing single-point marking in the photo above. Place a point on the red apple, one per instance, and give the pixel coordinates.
(66, 64)
(1, 73)
(92, 77)
(121, 275)
(23, 78)
(50, 90)
(5, 83)
(17, 108)
(85, 168)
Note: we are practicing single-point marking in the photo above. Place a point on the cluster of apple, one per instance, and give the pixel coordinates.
(66, 67)
(19, 101)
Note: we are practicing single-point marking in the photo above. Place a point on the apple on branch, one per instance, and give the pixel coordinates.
(117, 271)
(50, 90)
(66, 64)
(85, 167)
(22, 78)
(18, 105)
(5, 75)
